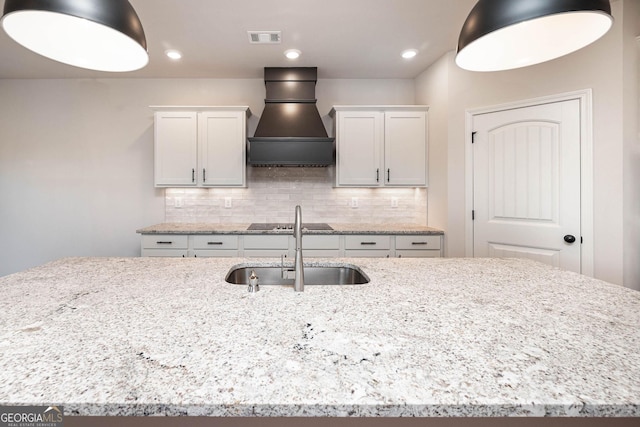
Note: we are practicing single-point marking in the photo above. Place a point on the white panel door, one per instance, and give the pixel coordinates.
(359, 151)
(222, 144)
(527, 184)
(405, 148)
(175, 148)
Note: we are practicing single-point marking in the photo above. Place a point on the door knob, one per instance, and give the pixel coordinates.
(569, 238)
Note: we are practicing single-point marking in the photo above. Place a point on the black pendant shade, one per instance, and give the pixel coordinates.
(104, 35)
(506, 34)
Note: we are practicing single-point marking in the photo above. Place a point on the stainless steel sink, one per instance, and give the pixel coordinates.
(313, 275)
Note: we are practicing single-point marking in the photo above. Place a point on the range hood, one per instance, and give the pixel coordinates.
(290, 131)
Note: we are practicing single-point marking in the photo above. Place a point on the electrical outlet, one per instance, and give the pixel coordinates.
(394, 202)
(177, 202)
(354, 202)
(227, 202)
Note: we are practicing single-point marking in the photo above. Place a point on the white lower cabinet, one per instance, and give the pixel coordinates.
(418, 246)
(265, 245)
(165, 245)
(367, 246)
(222, 245)
(274, 246)
(320, 246)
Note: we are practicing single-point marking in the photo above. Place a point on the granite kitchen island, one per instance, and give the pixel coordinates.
(425, 338)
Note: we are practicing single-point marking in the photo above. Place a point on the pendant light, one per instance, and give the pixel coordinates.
(104, 35)
(507, 34)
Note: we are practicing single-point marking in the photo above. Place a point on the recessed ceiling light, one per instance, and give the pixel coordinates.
(292, 53)
(173, 54)
(409, 53)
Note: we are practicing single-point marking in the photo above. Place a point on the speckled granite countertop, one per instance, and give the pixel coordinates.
(206, 228)
(426, 337)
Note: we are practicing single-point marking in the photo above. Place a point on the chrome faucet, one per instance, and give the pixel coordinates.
(298, 284)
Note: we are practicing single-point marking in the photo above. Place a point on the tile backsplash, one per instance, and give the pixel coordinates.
(273, 193)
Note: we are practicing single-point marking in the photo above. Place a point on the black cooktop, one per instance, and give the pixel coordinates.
(281, 226)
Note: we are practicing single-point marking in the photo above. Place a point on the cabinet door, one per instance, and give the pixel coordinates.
(320, 246)
(175, 149)
(222, 148)
(359, 148)
(405, 148)
(266, 246)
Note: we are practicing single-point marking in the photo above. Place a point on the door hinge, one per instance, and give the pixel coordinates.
(473, 137)
(473, 215)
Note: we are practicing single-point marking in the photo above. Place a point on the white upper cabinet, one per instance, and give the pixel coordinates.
(222, 148)
(378, 146)
(175, 148)
(359, 136)
(200, 146)
(405, 148)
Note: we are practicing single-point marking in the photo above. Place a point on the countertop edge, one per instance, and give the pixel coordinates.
(355, 411)
(241, 229)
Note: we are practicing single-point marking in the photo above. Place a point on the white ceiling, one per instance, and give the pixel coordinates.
(343, 38)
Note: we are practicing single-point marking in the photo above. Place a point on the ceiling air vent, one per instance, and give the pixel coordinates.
(265, 37)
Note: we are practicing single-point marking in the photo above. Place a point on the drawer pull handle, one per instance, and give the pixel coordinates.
(368, 243)
(164, 243)
(419, 243)
(214, 243)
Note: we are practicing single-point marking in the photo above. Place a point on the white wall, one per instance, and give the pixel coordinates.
(631, 83)
(76, 156)
(432, 88)
(600, 67)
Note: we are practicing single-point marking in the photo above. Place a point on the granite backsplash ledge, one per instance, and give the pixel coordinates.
(273, 193)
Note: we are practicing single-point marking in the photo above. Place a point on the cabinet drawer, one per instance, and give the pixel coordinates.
(418, 254)
(417, 242)
(266, 242)
(357, 253)
(264, 253)
(368, 242)
(172, 253)
(215, 242)
(321, 253)
(165, 241)
(220, 253)
(320, 242)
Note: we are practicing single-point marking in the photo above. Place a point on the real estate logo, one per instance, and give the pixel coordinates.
(31, 416)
